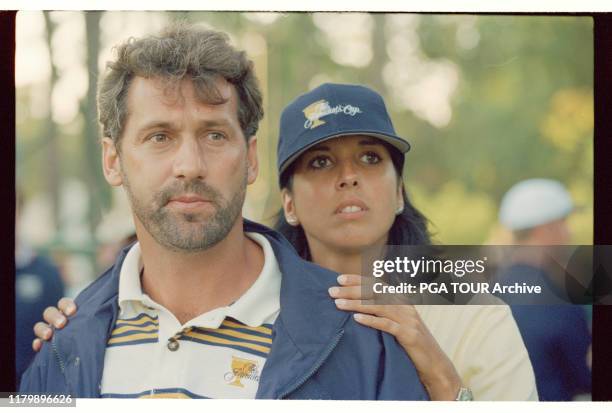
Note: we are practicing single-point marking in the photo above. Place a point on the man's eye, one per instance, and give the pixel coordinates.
(215, 136)
(370, 157)
(320, 162)
(159, 138)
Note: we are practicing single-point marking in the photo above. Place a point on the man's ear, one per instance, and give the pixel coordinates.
(111, 163)
(253, 164)
(289, 208)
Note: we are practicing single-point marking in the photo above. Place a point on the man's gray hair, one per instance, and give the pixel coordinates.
(179, 51)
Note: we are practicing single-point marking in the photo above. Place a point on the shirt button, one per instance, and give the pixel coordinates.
(173, 344)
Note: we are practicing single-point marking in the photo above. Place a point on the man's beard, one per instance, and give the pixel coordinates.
(185, 232)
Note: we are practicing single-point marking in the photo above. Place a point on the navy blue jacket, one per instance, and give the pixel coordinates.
(557, 338)
(318, 352)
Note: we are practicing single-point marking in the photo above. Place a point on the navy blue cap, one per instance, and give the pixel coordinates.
(329, 111)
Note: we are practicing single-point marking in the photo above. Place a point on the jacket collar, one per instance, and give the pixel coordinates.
(307, 311)
(308, 322)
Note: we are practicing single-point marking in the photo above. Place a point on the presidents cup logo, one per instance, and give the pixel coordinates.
(242, 369)
(315, 111)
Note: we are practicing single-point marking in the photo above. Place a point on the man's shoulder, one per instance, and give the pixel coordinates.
(289, 261)
(326, 276)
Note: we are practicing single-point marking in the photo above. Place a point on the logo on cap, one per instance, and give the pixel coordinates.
(315, 111)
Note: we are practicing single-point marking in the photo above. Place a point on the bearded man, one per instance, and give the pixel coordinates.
(205, 304)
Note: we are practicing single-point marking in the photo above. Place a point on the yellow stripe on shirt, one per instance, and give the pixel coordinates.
(218, 340)
(144, 319)
(132, 337)
(125, 328)
(264, 330)
(238, 334)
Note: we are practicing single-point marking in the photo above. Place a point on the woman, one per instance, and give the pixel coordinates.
(340, 165)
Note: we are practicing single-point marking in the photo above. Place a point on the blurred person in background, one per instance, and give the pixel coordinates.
(557, 337)
(340, 164)
(38, 284)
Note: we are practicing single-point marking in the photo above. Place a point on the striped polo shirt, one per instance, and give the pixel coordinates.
(219, 354)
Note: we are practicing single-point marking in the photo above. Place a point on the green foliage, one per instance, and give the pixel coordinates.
(522, 108)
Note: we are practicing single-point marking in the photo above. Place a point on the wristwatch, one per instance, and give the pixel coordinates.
(464, 395)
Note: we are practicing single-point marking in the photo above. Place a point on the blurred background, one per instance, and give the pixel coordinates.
(485, 101)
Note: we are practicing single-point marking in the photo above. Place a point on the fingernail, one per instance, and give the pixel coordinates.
(333, 291)
(340, 302)
(71, 308)
(342, 279)
(47, 334)
(359, 317)
(59, 323)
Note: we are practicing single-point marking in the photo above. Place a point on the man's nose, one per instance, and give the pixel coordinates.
(189, 162)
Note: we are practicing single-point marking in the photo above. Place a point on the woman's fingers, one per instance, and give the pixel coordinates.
(348, 280)
(67, 306)
(379, 323)
(397, 313)
(365, 290)
(54, 316)
(351, 293)
(42, 331)
(359, 306)
(352, 287)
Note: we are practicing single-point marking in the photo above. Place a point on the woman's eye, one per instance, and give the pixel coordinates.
(370, 157)
(320, 162)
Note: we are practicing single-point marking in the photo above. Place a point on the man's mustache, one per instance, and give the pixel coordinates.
(196, 187)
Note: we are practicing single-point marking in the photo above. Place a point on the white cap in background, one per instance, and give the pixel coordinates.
(534, 202)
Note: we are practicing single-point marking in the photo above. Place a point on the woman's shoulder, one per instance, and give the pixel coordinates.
(486, 348)
(466, 328)
(459, 315)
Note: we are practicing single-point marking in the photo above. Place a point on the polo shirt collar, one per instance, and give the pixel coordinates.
(253, 308)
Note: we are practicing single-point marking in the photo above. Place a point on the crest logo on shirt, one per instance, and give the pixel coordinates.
(241, 369)
(321, 108)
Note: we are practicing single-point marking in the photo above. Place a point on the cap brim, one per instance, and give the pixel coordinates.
(395, 141)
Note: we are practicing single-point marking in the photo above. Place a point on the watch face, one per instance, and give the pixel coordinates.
(464, 395)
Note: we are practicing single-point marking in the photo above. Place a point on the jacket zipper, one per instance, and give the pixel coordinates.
(314, 369)
(58, 357)
(61, 364)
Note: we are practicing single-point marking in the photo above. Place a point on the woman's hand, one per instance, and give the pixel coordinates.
(53, 316)
(435, 369)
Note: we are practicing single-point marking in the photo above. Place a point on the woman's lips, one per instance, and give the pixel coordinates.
(351, 209)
